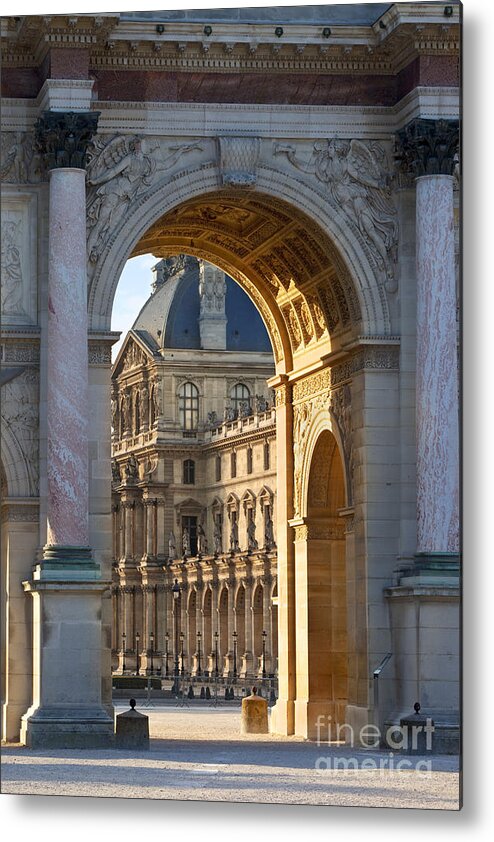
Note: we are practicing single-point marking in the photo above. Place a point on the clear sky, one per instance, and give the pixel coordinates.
(134, 288)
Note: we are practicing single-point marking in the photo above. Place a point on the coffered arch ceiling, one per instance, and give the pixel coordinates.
(284, 261)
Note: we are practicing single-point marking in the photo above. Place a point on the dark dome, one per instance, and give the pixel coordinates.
(171, 314)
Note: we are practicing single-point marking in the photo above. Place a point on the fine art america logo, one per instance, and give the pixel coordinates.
(414, 740)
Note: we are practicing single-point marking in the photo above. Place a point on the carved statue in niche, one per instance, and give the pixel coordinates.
(115, 472)
(145, 406)
(217, 536)
(131, 468)
(201, 540)
(268, 529)
(185, 543)
(234, 545)
(172, 546)
(251, 532)
(12, 285)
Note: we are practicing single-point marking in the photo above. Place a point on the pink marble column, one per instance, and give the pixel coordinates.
(67, 391)
(437, 370)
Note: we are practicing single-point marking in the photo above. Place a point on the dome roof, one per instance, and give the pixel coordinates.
(170, 318)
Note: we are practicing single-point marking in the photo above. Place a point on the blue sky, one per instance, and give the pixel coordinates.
(134, 288)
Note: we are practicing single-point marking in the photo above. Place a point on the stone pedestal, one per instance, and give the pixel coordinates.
(132, 729)
(254, 715)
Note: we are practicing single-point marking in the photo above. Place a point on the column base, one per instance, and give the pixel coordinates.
(431, 569)
(321, 720)
(282, 717)
(67, 727)
(67, 563)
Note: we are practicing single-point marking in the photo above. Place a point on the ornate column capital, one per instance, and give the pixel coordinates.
(63, 137)
(428, 147)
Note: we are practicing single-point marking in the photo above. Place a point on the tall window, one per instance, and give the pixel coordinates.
(218, 468)
(233, 464)
(188, 406)
(239, 395)
(189, 472)
(266, 456)
(249, 460)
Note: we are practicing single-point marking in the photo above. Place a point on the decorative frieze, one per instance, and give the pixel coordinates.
(428, 147)
(99, 352)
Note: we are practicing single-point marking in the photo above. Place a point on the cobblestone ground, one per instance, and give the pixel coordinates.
(198, 753)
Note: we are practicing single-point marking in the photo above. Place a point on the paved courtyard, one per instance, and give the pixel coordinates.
(197, 753)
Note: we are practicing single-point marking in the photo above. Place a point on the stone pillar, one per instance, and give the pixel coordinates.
(428, 148)
(282, 714)
(150, 506)
(247, 665)
(266, 618)
(66, 585)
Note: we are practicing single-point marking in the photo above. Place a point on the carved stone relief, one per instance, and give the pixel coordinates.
(18, 261)
(20, 414)
(119, 172)
(357, 177)
(239, 158)
(19, 161)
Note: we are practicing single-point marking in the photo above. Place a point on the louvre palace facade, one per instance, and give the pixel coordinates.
(194, 480)
(312, 154)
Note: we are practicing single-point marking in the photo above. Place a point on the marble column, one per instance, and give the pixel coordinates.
(428, 148)
(66, 586)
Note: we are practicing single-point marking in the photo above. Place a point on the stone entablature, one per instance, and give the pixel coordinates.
(105, 42)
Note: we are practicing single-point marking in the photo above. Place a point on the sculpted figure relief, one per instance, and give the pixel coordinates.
(358, 182)
(234, 545)
(12, 289)
(172, 546)
(119, 172)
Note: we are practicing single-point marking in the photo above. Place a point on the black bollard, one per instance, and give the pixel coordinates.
(190, 694)
(227, 694)
(272, 697)
(203, 693)
(208, 693)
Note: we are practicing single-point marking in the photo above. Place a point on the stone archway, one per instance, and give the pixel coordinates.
(321, 586)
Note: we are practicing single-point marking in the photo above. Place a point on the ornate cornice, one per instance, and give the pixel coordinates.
(428, 147)
(63, 137)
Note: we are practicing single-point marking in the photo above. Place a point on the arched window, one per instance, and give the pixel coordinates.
(188, 406)
(240, 396)
(189, 472)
